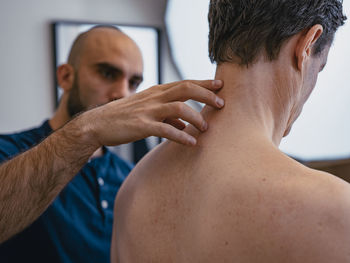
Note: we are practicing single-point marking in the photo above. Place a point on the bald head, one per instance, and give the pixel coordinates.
(81, 42)
(104, 64)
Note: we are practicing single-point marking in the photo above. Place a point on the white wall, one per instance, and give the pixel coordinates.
(26, 65)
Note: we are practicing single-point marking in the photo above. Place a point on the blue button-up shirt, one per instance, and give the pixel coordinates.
(77, 227)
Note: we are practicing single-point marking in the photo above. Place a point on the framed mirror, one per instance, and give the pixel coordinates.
(146, 37)
(148, 40)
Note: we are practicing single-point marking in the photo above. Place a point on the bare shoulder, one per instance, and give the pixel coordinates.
(318, 230)
(302, 215)
(324, 219)
(328, 192)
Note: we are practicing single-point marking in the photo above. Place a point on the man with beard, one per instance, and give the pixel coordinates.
(235, 197)
(66, 157)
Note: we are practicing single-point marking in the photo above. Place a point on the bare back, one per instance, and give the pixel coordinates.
(228, 201)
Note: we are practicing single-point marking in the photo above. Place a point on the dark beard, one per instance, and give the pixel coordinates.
(74, 105)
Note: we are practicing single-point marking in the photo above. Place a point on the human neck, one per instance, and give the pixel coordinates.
(258, 100)
(61, 116)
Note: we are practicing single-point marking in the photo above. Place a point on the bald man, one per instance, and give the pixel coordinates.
(235, 197)
(63, 166)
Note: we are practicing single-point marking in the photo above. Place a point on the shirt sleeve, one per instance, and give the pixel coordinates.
(8, 148)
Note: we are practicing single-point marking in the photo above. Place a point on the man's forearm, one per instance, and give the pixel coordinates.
(33, 179)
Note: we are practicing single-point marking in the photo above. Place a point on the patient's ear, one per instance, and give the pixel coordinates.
(65, 76)
(306, 41)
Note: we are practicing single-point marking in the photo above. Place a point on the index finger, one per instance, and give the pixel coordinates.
(190, 90)
(213, 85)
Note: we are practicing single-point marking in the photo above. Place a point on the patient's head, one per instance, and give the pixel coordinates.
(242, 30)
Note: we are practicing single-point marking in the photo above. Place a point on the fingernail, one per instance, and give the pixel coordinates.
(192, 141)
(220, 102)
(205, 126)
(217, 83)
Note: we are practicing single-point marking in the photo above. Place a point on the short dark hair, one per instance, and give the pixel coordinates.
(241, 29)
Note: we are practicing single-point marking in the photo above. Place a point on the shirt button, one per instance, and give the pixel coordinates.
(104, 204)
(100, 181)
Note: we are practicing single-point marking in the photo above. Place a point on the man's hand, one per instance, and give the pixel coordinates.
(154, 112)
(60, 156)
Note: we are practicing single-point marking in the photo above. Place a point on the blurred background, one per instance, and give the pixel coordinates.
(29, 53)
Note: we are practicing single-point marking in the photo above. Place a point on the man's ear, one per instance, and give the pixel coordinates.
(305, 44)
(65, 76)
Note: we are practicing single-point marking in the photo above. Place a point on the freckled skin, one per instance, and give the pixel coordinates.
(235, 197)
(213, 211)
(216, 211)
